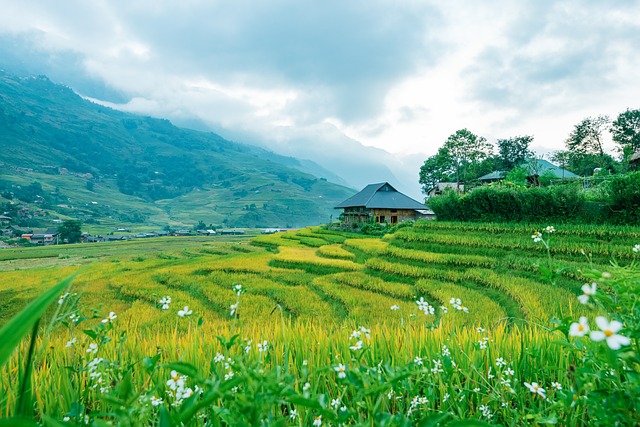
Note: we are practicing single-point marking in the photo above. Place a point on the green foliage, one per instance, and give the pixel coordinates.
(625, 131)
(514, 151)
(624, 193)
(509, 204)
(70, 231)
(517, 175)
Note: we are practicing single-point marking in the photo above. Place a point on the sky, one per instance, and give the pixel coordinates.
(394, 76)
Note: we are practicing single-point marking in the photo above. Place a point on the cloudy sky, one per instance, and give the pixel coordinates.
(398, 76)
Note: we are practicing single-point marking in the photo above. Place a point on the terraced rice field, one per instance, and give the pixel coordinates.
(433, 284)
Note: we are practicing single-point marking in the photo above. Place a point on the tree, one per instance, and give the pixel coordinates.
(435, 169)
(586, 136)
(625, 131)
(70, 231)
(465, 148)
(514, 151)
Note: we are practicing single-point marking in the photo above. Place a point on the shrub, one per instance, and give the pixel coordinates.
(624, 192)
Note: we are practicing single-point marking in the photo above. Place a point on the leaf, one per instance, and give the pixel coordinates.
(17, 422)
(165, 418)
(184, 368)
(15, 329)
(434, 420)
(468, 423)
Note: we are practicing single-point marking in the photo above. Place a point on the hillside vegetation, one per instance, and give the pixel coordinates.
(433, 320)
(97, 164)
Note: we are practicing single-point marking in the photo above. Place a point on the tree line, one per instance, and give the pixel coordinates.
(465, 156)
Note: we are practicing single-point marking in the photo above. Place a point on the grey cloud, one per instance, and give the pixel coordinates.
(588, 44)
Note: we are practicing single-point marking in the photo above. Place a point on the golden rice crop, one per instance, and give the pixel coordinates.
(369, 246)
(335, 251)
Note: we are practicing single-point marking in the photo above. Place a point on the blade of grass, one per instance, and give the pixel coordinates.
(16, 328)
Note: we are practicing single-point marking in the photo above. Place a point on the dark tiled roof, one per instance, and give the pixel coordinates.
(381, 196)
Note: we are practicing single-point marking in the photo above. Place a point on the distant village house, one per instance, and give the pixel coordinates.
(383, 204)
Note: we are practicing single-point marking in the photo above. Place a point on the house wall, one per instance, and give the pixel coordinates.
(394, 216)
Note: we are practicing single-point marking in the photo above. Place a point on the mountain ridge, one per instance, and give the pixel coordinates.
(47, 128)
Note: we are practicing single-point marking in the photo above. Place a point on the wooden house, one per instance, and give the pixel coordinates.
(381, 203)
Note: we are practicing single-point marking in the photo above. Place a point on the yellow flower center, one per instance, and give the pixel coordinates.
(581, 328)
(607, 333)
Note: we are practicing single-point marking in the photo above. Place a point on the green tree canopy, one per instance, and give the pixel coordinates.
(70, 230)
(435, 169)
(514, 151)
(586, 136)
(466, 148)
(625, 131)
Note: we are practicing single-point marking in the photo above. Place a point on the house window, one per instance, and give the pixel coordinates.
(394, 219)
(380, 219)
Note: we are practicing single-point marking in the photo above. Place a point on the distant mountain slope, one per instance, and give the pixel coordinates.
(188, 175)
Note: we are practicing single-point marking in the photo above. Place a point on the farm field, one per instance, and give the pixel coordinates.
(437, 323)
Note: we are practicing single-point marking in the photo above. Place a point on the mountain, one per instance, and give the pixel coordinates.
(96, 163)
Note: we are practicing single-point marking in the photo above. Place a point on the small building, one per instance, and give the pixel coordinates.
(233, 232)
(535, 169)
(381, 203)
(444, 186)
(5, 220)
(634, 160)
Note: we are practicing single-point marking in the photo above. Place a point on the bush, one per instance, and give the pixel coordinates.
(509, 204)
(624, 194)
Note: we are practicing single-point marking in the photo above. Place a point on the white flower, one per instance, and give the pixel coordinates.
(247, 347)
(341, 370)
(608, 331)
(397, 307)
(62, 298)
(480, 329)
(588, 291)
(228, 375)
(306, 387)
(500, 362)
(445, 351)
(185, 311)
(165, 301)
(156, 401)
(238, 289)
(264, 346)
(355, 335)
(110, 318)
(74, 318)
(317, 422)
(536, 389)
(176, 381)
(636, 248)
(356, 346)
(444, 309)
(335, 403)
(305, 363)
(550, 229)
(579, 329)
(455, 301)
(293, 414)
(71, 342)
(445, 397)
(509, 372)
(93, 348)
(537, 236)
(234, 309)
(418, 360)
(219, 358)
(556, 385)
